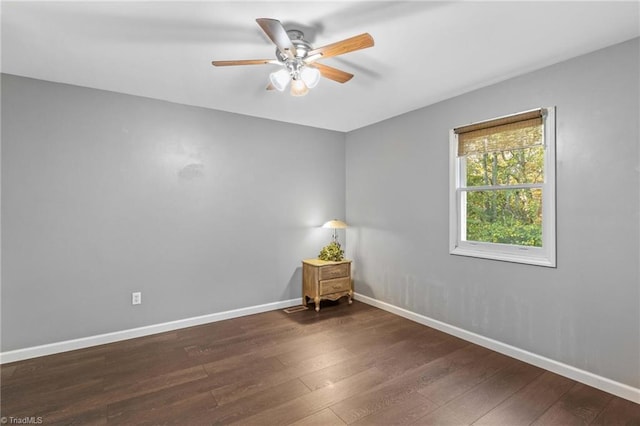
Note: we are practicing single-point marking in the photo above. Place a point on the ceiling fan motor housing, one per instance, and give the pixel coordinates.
(302, 46)
(295, 64)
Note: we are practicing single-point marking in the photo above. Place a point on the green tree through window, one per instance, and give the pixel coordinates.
(508, 216)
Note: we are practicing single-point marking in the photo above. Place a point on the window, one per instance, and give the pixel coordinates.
(502, 188)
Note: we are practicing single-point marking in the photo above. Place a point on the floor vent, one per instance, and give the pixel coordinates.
(296, 309)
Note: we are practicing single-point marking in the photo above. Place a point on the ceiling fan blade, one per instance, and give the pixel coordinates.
(278, 35)
(358, 42)
(333, 73)
(243, 62)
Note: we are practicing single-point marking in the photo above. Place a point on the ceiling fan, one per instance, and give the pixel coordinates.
(298, 58)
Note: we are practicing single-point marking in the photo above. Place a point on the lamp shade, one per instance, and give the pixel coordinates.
(298, 88)
(280, 79)
(310, 76)
(335, 224)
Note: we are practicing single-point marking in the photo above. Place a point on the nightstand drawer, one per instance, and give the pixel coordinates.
(334, 271)
(335, 285)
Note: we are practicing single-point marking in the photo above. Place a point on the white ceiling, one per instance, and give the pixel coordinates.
(424, 51)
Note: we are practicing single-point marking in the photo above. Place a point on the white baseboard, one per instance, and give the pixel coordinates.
(101, 339)
(582, 376)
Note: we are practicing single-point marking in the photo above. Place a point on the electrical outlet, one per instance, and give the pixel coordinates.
(136, 298)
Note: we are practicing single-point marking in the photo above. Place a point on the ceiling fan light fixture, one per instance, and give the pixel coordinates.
(298, 88)
(280, 79)
(297, 57)
(310, 76)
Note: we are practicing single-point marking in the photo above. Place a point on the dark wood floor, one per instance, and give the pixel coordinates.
(347, 364)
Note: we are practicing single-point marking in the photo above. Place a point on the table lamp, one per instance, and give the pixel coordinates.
(335, 224)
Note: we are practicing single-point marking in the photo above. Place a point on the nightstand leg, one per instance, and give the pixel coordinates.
(304, 300)
(351, 297)
(317, 300)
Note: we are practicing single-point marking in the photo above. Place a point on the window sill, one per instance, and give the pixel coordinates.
(534, 256)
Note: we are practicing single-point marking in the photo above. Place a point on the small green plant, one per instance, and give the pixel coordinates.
(332, 251)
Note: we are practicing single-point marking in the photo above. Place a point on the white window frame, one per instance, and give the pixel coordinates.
(542, 256)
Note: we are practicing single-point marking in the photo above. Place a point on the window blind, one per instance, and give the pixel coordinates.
(501, 134)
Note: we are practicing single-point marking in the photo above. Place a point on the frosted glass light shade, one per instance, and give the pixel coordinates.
(335, 224)
(310, 76)
(280, 79)
(298, 88)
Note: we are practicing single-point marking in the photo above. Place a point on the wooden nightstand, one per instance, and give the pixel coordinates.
(323, 279)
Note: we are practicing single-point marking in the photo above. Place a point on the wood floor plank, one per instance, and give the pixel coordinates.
(395, 391)
(332, 374)
(449, 364)
(277, 338)
(383, 348)
(320, 399)
(347, 364)
(417, 356)
(443, 416)
(475, 403)
(380, 398)
(619, 412)
(249, 372)
(529, 403)
(132, 371)
(294, 343)
(153, 382)
(41, 374)
(460, 380)
(580, 406)
(7, 372)
(51, 388)
(241, 388)
(324, 417)
(321, 361)
(148, 409)
(236, 362)
(52, 404)
(257, 402)
(406, 412)
(95, 417)
(378, 338)
(326, 343)
(140, 406)
(93, 400)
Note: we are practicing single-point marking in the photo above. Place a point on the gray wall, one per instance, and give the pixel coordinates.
(586, 312)
(104, 194)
